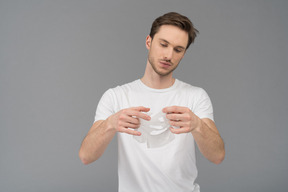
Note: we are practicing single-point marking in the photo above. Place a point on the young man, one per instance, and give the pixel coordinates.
(152, 156)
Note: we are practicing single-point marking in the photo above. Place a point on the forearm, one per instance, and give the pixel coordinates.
(96, 141)
(209, 142)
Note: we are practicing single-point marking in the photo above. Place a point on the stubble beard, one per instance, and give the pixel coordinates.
(153, 65)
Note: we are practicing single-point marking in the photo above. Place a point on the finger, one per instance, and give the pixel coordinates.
(144, 116)
(141, 115)
(129, 131)
(179, 130)
(178, 123)
(132, 120)
(175, 109)
(124, 117)
(176, 117)
(131, 125)
(141, 109)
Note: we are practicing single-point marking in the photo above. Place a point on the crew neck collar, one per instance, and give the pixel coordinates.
(159, 90)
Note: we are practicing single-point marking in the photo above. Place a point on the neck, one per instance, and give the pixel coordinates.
(156, 81)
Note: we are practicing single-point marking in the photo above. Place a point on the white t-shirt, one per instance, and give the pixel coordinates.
(171, 167)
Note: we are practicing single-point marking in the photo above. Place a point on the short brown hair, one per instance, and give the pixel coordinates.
(178, 20)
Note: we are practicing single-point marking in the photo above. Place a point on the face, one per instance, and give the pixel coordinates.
(166, 49)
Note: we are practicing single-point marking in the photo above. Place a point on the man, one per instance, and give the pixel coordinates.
(146, 163)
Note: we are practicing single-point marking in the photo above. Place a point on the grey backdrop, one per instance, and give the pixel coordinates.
(58, 57)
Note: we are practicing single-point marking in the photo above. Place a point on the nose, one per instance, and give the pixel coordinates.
(168, 54)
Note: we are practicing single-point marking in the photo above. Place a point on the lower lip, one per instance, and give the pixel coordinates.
(164, 65)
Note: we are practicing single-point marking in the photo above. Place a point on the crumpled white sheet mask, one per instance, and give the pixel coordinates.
(155, 132)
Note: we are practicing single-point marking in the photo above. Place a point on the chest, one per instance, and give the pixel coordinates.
(155, 101)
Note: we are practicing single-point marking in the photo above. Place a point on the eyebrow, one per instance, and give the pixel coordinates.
(169, 43)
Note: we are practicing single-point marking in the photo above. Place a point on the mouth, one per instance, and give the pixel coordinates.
(165, 64)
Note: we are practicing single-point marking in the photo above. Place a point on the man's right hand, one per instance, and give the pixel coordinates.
(126, 120)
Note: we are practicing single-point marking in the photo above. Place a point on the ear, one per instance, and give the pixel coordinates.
(148, 42)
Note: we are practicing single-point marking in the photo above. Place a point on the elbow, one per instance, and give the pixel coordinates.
(84, 159)
(87, 159)
(218, 161)
(220, 158)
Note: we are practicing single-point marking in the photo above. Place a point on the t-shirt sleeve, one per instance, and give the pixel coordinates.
(105, 106)
(203, 107)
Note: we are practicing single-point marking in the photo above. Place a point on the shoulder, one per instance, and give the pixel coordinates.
(126, 86)
(199, 101)
(195, 90)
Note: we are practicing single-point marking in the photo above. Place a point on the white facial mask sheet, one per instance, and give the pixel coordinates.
(156, 132)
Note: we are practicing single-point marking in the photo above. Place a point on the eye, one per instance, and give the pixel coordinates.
(178, 50)
(163, 45)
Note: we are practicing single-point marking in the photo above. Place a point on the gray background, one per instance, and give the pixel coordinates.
(58, 57)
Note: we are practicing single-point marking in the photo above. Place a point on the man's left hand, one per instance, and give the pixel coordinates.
(183, 118)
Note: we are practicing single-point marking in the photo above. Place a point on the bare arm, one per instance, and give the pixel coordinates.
(96, 141)
(204, 132)
(102, 132)
(209, 141)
